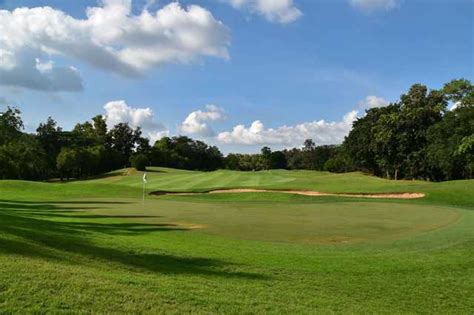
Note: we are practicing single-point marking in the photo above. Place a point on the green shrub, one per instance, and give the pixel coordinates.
(139, 162)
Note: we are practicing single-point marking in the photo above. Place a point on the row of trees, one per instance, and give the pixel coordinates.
(310, 157)
(89, 149)
(417, 137)
(185, 153)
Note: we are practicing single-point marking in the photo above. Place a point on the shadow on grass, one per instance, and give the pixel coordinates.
(100, 176)
(25, 232)
(61, 214)
(49, 203)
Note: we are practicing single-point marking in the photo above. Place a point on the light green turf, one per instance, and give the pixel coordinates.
(91, 246)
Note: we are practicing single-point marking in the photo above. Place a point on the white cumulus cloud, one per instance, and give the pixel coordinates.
(372, 101)
(119, 112)
(280, 11)
(322, 132)
(110, 38)
(196, 123)
(369, 6)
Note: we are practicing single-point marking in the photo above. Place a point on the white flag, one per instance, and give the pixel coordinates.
(144, 178)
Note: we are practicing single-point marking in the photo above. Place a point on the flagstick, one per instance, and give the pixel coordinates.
(143, 198)
(144, 188)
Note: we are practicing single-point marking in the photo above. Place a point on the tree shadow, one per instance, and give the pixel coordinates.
(61, 214)
(25, 232)
(79, 202)
(92, 177)
(44, 208)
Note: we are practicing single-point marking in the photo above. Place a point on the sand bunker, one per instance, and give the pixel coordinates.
(300, 192)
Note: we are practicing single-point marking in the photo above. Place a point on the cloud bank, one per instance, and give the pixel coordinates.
(110, 38)
(322, 132)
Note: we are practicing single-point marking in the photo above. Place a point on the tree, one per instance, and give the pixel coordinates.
(308, 154)
(309, 145)
(446, 160)
(465, 150)
(67, 163)
(184, 152)
(232, 162)
(100, 128)
(392, 140)
(387, 142)
(139, 162)
(84, 134)
(278, 160)
(461, 92)
(48, 134)
(322, 154)
(419, 110)
(294, 158)
(23, 158)
(123, 140)
(340, 162)
(143, 145)
(360, 142)
(266, 153)
(79, 162)
(11, 125)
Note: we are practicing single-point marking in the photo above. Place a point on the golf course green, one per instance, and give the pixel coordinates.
(95, 246)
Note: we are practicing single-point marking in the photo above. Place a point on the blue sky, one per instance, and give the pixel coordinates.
(274, 75)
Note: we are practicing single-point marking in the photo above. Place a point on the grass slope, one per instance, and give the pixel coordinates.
(91, 246)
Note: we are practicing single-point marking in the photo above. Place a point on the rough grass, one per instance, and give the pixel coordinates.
(93, 247)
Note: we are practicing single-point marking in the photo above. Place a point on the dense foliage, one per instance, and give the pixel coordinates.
(91, 149)
(185, 153)
(418, 137)
(310, 157)
(414, 138)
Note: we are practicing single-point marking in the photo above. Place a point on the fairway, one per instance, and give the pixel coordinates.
(93, 246)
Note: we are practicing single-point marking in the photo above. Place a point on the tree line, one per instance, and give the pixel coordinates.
(91, 149)
(414, 138)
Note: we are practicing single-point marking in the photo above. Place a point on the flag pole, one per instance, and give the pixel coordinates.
(143, 197)
(144, 188)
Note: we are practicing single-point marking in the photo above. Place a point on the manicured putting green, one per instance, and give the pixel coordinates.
(326, 221)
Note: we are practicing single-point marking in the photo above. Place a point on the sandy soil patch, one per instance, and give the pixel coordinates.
(404, 195)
